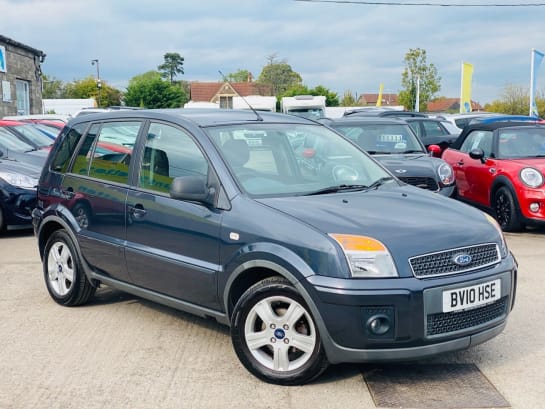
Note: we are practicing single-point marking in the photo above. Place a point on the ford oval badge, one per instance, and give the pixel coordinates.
(462, 259)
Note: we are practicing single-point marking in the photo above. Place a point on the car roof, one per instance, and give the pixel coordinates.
(10, 122)
(428, 119)
(367, 120)
(200, 116)
(492, 126)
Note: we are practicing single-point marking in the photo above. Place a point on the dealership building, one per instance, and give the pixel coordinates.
(20, 78)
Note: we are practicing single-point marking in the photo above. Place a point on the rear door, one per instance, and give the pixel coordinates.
(172, 245)
(96, 189)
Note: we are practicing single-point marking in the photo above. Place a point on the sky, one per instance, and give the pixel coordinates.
(341, 45)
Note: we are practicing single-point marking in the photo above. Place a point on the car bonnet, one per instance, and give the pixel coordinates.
(408, 220)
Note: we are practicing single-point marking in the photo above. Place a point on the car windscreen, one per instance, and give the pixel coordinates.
(32, 135)
(270, 160)
(11, 142)
(382, 138)
(521, 143)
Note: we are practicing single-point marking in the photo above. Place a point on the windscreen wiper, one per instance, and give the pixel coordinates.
(338, 188)
(379, 182)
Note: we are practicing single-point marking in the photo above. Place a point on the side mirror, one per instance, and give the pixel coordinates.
(477, 154)
(435, 150)
(191, 188)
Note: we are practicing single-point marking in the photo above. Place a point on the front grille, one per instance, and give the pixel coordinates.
(421, 182)
(442, 263)
(445, 322)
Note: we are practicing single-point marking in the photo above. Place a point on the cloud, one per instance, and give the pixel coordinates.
(340, 46)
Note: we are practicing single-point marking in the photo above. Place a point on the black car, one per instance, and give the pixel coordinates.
(433, 131)
(392, 142)
(18, 182)
(384, 112)
(307, 265)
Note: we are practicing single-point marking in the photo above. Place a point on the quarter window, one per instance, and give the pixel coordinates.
(67, 148)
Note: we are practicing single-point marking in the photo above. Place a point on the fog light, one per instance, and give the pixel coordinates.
(534, 207)
(378, 324)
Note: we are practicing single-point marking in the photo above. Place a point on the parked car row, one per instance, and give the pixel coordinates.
(509, 185)
(500, 167)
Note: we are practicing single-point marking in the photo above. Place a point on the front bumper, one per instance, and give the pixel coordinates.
(417, 326)
(17, 205)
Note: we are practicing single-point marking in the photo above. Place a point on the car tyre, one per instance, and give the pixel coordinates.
(505, 208)
(275, 336)
(63, 272)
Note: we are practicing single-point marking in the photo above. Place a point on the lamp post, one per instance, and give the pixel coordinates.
(99, 84)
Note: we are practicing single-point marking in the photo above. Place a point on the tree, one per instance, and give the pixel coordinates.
(88, 88)
(417, 70)
(332, 100)
(149, 90)
(52, 88)
(173, 65)
(279, 76)
(515, 100)
(240, 76)
(349, 100)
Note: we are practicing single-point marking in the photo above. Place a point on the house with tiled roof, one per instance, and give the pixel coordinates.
(222, 93)
(450, 105)
(371, 99)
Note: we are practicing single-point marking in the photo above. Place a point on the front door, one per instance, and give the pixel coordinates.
(172, 245)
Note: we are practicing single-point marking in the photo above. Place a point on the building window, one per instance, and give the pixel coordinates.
(226, 102)
(23, 97)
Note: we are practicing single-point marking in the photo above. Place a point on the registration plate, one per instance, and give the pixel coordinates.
(471, 297)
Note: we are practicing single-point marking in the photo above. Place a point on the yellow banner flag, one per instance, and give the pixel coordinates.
(379, 99)
(465, 96)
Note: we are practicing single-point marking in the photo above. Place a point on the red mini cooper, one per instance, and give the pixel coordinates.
(500, 167)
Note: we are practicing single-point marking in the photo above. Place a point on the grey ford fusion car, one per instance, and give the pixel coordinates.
(393, 143)
(216, 212)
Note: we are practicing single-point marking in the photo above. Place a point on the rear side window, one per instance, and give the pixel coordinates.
(106, 151)
(66, 149)
(433, 128)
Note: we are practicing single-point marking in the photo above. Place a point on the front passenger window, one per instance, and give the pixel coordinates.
(169, 152)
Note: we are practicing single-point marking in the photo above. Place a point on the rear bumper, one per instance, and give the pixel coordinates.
(17, 205)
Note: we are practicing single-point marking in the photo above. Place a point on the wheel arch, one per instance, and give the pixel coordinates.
(60, 218)
(499, 182)
(264, 261)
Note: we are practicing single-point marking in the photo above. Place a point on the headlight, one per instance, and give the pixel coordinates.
(446, 174)
(18, 180)
(503, 244)
(367, 257)
(531, 177)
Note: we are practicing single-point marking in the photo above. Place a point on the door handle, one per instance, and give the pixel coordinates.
(137, 211)
(460, 163)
